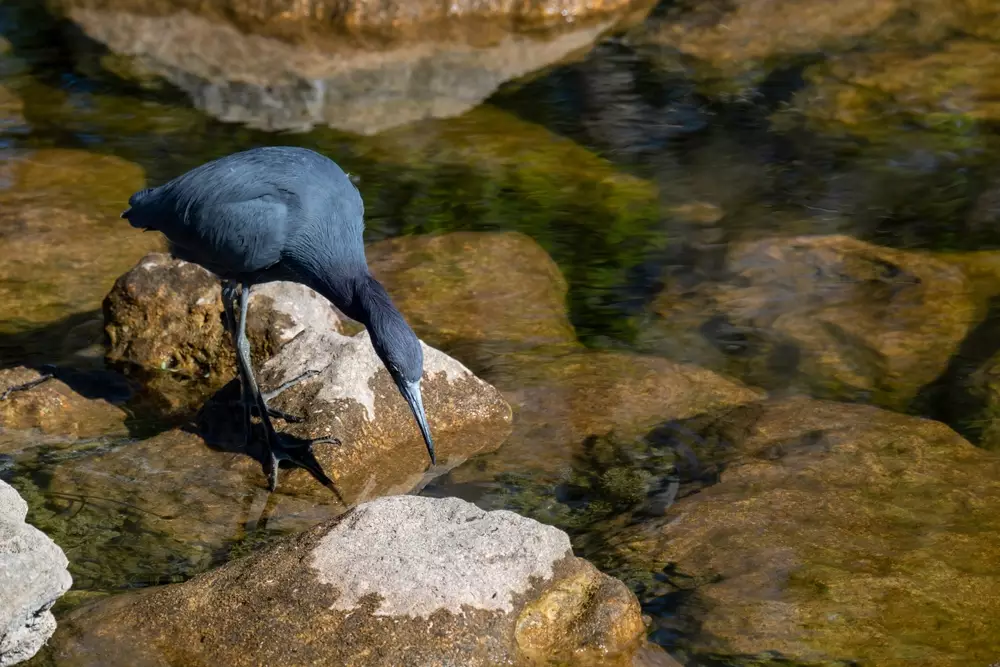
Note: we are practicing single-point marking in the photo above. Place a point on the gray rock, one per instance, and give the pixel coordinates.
(271, 84)
(33, 576)
(401, 580)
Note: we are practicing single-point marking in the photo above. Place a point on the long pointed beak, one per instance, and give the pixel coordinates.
(411, 392)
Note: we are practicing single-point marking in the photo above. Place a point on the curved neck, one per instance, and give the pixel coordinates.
(361, 297)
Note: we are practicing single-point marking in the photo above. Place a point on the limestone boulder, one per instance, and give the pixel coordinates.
(166, 315)
(33, 576)
(396, 581)
(362, 67)
(51, 407)
(839, 533)
(832, 315)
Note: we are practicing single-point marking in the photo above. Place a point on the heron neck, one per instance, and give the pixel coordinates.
(360, 297)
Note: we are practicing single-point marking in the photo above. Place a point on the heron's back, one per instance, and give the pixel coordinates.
(239, 214)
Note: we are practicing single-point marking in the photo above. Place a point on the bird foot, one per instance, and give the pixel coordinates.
(298, 452)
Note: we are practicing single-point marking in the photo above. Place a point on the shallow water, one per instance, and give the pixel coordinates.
(631, 176)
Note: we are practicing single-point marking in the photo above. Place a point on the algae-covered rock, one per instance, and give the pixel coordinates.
(397, 581)
(62, 243)
(745, 38)
(509, 172)
(950, 90)
(32, 577)
(841, 533)
(53, 408)
(827, 314)
(469, 286)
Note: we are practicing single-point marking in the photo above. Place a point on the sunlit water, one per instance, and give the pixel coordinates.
(695, 177)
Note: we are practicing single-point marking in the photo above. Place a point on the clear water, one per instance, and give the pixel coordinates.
(910, 188)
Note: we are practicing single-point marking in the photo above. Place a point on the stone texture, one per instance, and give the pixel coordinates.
(838, 533)
(166, 315)
(828, 314)
(945, 90)
(32, 577)
(563, 397)
(276, 66)
(62, 241)
(353, 398)
(397, 581)
(475, 287)
(54, 409)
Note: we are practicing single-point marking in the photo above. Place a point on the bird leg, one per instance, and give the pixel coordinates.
(230, 292)
(299, 452)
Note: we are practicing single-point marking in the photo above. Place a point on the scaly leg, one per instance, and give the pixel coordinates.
(299, 453)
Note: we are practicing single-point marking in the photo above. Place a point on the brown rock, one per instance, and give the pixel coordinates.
(735, 37)
(859, 92)
(317, 22)
(472, 287)
(563, 397)
(842, 532)
(379, 586)
(164, 321)
(828, 314)
(54, 409)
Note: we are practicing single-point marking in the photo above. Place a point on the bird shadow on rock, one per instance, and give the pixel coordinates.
(219, 423)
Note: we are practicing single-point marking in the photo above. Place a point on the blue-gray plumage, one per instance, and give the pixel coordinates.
(282, 213)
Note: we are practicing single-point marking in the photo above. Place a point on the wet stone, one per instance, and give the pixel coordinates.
(830, 315)
(32, 577)
(401, 580)
(839, 533)
(475, 287)
(51, 407)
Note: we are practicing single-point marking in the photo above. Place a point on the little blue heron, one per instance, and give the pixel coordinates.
(282, 213)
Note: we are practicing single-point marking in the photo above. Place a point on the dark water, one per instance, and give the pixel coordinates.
(908, 189)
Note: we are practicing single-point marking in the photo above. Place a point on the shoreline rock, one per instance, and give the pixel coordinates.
(400, 580)
(32, 577)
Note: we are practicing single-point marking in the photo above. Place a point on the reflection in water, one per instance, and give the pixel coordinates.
(702, 219)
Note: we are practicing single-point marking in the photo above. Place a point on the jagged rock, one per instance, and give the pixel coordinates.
(166, 315)
(53, 408)
(397, 581)
(32, 577)
(361, 67)
(828, 314)
(837, 534)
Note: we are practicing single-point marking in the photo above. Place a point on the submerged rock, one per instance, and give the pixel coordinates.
(828, 314)
(564, 397)
(63, 243)
(470, 287)
(32, 577)
(397, 581)
(361, 67)
(950, 90)
(53, 408)
(840, 533)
